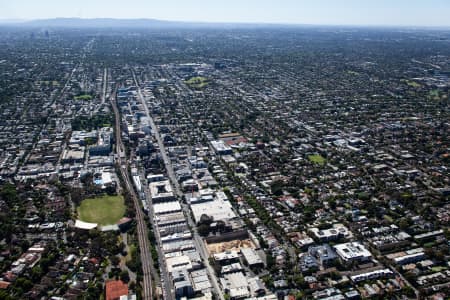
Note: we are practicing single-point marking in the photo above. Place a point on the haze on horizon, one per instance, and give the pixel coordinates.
(433, 13)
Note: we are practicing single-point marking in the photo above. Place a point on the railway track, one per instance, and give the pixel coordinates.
(142, 231)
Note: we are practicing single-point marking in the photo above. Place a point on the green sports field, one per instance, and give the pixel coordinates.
(317, 158)
(85, 97)
(197, 82)
(104, 210)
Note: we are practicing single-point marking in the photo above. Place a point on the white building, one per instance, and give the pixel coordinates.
(217, 207)
(161, 191)
(221, 148)
(336, 232)
(353, 252)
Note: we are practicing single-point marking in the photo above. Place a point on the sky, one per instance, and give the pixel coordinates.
(325, 12)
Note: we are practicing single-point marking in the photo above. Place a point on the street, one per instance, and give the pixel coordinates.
(170, 173)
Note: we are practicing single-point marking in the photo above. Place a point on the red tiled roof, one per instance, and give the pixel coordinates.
(115, 289)
(4, 284)
(235, 141)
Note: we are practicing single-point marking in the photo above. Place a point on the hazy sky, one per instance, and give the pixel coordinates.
(343, 12)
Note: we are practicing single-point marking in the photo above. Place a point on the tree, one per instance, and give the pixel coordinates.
(203, 229)
(270, 261)
(215, 265)
(277, 188)
(124, 276)
(93, 292)
(115, 261)
(4, 295)
(403, 223)
(299, 295)
(132, 285)
(298, 280)
(24, 284)
(36, 273)
(408, 291)
(8, 193)
(220, 226)
(205, 220)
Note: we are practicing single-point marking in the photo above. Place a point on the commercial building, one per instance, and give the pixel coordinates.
(217, 207)
(352, 252)
(221, 148)
(324, 255)
(332, 234)
(251, 257)
(236, 285)
(182, 284)
(103, 146)
(166, 207)
(161, 191)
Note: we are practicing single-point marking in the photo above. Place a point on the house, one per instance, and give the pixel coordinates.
(115, 289)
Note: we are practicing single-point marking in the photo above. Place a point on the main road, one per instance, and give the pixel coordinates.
(105, 85)
(166, 284)
(142, 231)
(170, 173)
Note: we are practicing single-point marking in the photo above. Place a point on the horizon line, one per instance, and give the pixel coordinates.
(21, 21)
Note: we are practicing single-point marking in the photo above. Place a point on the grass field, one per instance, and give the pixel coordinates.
(104, 210)
(46, 82)
(83, 97)
(197, 82)
(388, 218)
(434, 95)
(317, 158)
(353, 73)
(438, 269)
(413, 84)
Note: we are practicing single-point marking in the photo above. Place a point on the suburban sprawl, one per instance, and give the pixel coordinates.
(236, 162)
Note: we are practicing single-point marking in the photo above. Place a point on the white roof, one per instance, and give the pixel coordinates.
(353, 250)
(112, 227)
(161, 189)
(226, 255)
(166, 207)
(251, 256)
(220, 146)
(178, 262)
(85, 225)
(236, 283)
(219, 209)
(106, 177)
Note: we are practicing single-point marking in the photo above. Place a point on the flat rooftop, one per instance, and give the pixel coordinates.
(218, 207)
(166, 207)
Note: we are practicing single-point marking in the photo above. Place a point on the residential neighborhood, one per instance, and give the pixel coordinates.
(227, 163)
